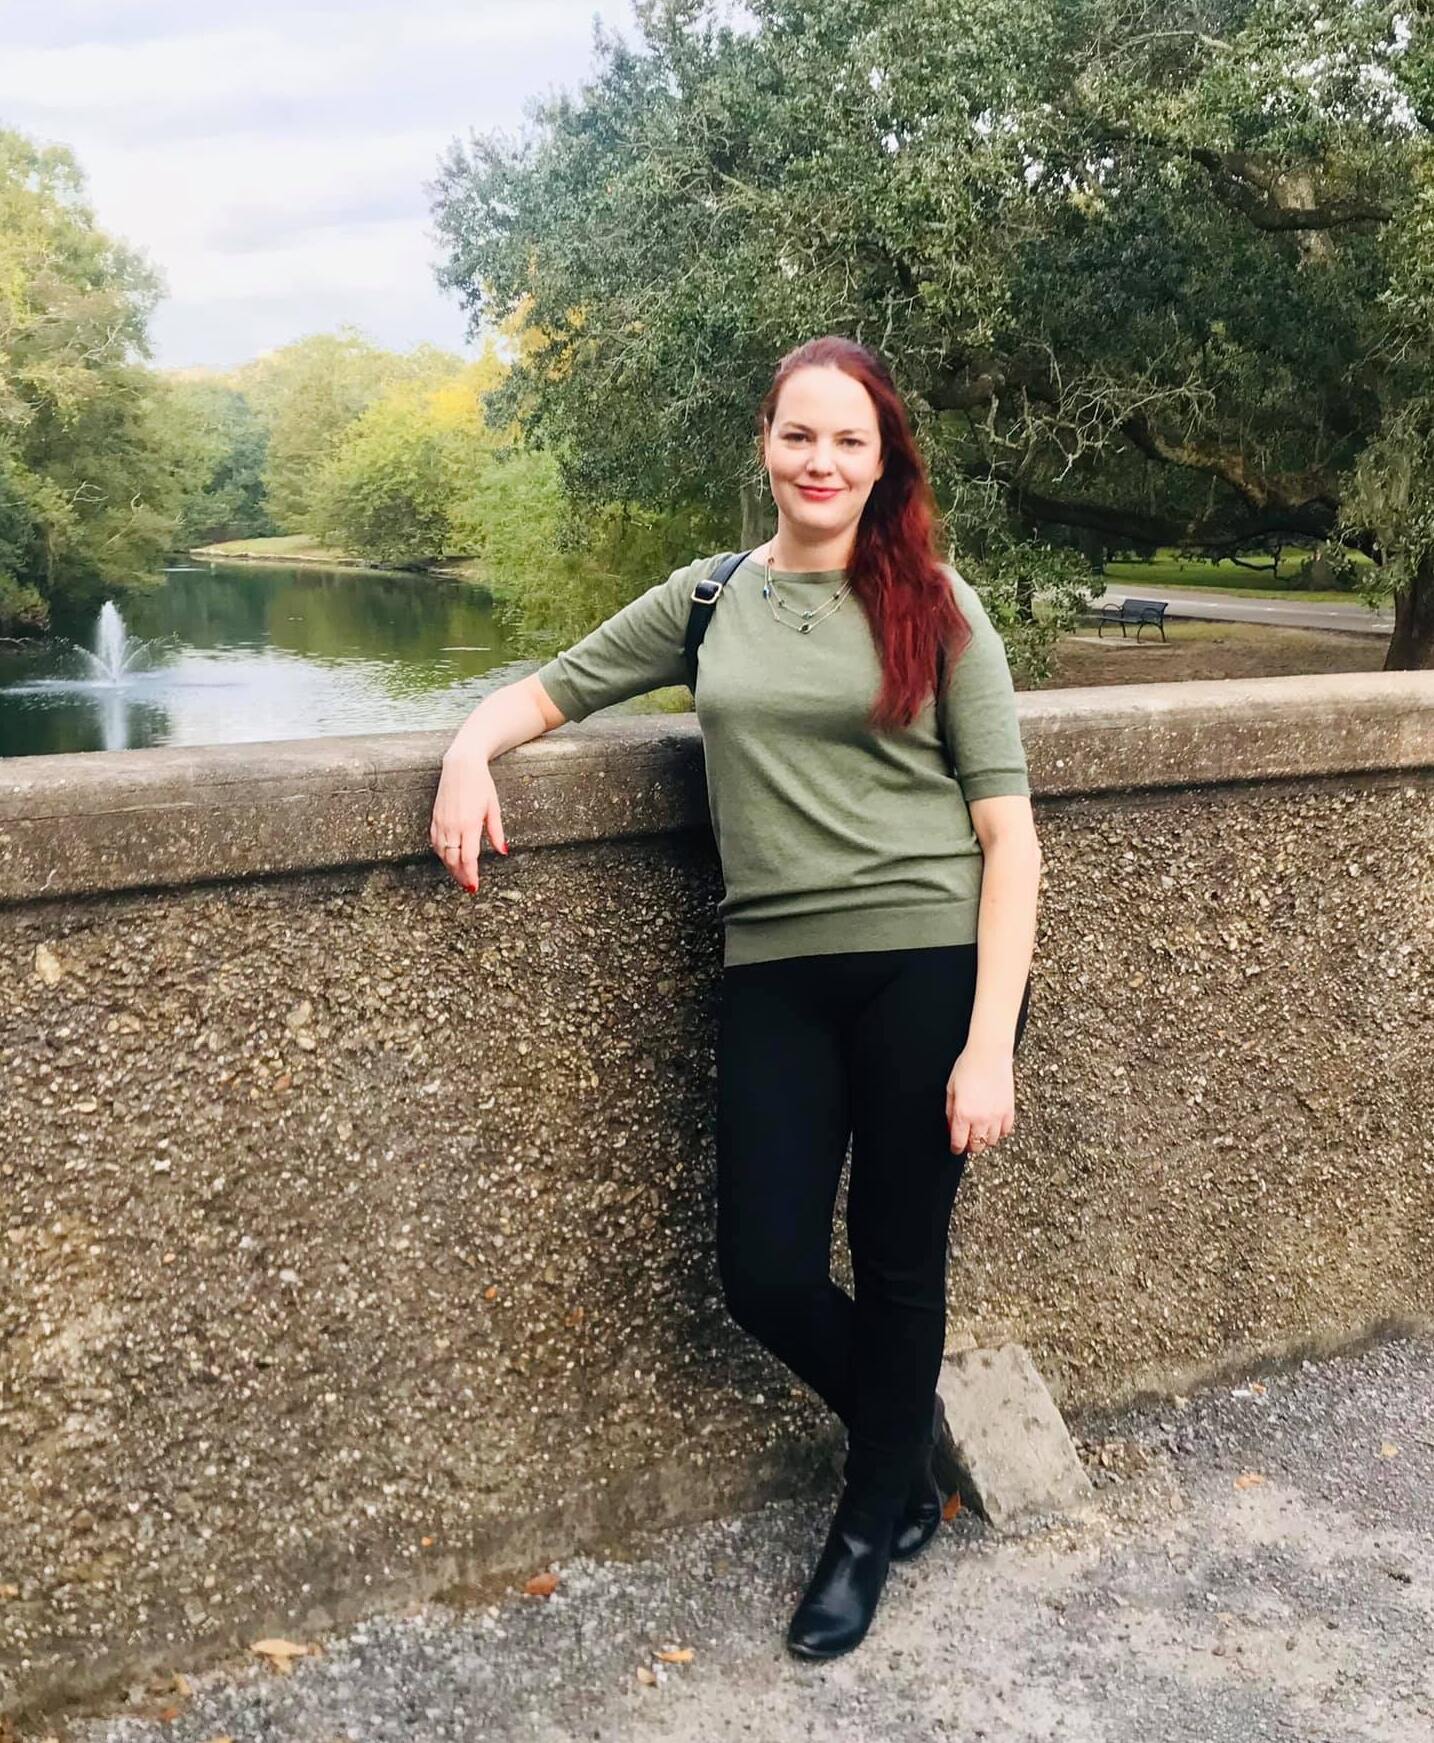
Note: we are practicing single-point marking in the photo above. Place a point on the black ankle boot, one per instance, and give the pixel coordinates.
(926, 1502)
(842, 1596)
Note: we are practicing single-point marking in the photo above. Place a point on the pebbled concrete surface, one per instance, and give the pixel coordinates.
(1188, 1605)
(354, 1212)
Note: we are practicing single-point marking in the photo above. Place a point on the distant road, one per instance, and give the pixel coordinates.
(1234, 608)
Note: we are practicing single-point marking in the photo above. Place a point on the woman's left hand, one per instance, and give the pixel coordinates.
(980, 1099)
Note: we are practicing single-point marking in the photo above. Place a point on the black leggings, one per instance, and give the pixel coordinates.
(813, 1051)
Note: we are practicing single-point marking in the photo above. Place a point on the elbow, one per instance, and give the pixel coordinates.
(1006, 826)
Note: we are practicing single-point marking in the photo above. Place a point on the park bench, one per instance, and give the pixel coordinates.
(1136, 611)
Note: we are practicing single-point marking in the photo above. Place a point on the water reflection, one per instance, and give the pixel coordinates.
(229, 652)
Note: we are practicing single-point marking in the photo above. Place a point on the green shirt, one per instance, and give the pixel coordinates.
(831, 836)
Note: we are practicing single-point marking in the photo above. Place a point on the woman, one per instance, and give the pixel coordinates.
(872, 813)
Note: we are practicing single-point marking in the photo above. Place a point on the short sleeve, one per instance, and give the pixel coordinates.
(978, 712)
(637, 649)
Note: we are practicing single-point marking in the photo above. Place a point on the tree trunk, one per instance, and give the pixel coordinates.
(1411, 647)
(754, 522)
(1090, 541)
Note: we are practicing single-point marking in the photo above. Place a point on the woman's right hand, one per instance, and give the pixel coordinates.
(466, 801)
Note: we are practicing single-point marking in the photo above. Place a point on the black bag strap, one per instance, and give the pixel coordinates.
(705, 595)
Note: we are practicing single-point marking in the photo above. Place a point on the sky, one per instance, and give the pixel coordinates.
(271, 160)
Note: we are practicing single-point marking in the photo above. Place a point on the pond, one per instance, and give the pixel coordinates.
(223, 652)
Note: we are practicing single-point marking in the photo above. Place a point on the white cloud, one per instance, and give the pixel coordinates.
(275, 171)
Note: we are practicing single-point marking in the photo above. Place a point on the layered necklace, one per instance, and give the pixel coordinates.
(805, 621)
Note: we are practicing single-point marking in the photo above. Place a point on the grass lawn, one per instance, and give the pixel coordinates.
(1170, 570)
(282, 545)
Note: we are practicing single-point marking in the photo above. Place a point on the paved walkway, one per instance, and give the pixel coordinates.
(1235, 608)
(1257, 1564)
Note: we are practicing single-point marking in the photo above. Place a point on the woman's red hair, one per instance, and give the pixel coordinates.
(895, 567)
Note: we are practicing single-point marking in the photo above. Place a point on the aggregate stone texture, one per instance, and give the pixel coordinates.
(1256, 1566)
(356, 1233)
(1014, 1450)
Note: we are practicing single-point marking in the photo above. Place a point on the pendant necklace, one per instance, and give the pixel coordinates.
(806, 620)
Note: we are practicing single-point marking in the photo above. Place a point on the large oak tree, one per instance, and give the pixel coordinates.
(1153, 272)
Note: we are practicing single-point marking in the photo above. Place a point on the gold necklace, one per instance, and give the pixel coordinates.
(806, 620)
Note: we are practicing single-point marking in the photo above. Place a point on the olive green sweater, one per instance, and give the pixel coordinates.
(831, 836)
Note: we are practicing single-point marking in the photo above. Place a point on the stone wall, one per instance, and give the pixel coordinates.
(356, 1233)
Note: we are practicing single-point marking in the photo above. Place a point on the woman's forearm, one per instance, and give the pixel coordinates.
(1005, 942)
(510, 716)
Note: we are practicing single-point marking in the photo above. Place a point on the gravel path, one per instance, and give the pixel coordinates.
(1191, 1605)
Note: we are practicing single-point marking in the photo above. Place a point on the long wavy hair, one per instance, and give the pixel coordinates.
(895, 567)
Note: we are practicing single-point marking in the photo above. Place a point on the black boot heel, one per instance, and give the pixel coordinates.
(842, 1596)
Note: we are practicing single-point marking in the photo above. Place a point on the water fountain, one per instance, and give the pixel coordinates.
(114, 651)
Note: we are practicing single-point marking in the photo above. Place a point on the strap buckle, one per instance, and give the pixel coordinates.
(707, 598)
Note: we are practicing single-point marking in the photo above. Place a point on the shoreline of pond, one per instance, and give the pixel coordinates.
(278, 560)
(449, 571)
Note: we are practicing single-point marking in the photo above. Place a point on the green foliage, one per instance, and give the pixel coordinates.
(1392, 487)
(556, 568)
(395, 489)
(384, 494)
(89, 470)
(228, 448)
(1138, 270)
(308, 394)
(1330, 568)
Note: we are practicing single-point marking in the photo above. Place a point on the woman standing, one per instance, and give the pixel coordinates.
(871, 806)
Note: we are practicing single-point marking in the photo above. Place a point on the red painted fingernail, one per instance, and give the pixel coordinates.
(504, 848)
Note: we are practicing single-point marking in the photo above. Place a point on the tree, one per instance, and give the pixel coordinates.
(89, 471)
(224, 496)
(395, 488)
(309, 393)
(1158, 274)
(556, 567)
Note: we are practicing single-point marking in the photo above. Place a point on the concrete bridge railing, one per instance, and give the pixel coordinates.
(355, 1233)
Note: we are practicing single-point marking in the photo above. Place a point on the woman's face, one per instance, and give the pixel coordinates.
(823, 450)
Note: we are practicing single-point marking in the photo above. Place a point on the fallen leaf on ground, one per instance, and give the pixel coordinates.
(282, 1653)
(645, 1675)
(541, 1585)
(1249, 1480)
(1389, 1450)
(952, 1507)
(677, 1655)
